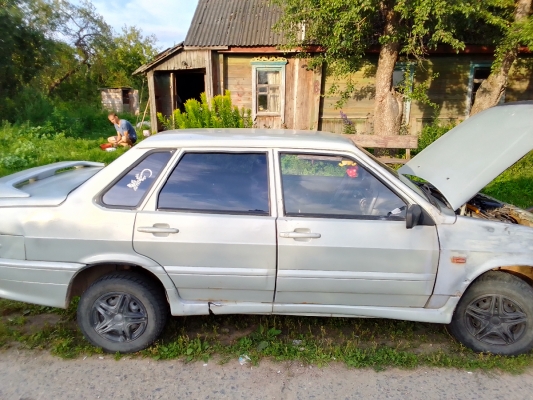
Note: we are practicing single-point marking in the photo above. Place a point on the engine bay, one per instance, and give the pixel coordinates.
(484, 207)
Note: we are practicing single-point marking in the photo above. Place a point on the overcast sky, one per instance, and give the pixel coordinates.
(168, 20)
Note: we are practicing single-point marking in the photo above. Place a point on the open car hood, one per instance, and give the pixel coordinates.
(464, 160)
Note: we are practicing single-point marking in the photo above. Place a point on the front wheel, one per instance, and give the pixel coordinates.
(122, 312)
(495, 315)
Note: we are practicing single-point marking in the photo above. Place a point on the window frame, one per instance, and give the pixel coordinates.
(268, 66)
(470, 87)
(403, 67)
(100, 197)
(297, 152)
(175, 165)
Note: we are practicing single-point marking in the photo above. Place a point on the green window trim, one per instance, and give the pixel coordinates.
(268, 98)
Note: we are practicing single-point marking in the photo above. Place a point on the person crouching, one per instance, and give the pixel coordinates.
(126, 135)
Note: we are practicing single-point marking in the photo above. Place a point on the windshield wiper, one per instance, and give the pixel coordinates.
(427, 191)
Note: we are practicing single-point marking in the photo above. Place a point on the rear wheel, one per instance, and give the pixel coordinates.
(122, 312)
(495, 315)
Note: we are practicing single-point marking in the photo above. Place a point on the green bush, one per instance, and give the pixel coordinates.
(77, 120)
(432, 132)
(220, 113)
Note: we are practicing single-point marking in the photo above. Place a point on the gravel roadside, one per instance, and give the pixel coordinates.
(34, 375)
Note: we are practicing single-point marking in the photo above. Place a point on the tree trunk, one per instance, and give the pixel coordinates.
(491, 90)
(59, 81)
(388, 104)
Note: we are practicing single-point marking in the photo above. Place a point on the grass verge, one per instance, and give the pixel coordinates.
(359, 343)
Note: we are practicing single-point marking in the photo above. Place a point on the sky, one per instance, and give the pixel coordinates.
(168, 20)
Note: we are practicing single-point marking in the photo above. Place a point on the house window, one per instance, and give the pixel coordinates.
(479, 72)
(268, 88)
(402, 81)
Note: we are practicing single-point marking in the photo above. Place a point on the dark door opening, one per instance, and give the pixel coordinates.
(174, 88)
(189, 85)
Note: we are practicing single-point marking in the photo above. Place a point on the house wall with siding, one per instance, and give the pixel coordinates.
(302, 90)
(306, 109)
(520, 80)
(448, 90)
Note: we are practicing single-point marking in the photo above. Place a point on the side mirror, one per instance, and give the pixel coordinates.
(412, 216)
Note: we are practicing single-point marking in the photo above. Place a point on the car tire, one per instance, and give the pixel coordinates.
(495, 315)
(122, 312)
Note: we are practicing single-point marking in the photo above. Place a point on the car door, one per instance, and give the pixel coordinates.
(342, 239)
(210, 225)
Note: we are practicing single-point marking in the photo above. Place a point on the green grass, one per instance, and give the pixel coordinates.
(24, 147)
(358, 343)
(515, 185)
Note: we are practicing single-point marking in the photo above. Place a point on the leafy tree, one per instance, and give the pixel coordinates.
(518, 32)
(24, 50)
(130, 50)
(87, 34)
(348, 29)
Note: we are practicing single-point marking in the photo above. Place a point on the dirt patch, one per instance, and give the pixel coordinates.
(36, 323)
(428, 348)
(229, 335)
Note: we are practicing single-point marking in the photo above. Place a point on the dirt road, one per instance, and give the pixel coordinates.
(35, 375)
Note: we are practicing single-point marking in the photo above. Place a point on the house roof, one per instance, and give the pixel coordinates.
(234, 23)
(159, 58)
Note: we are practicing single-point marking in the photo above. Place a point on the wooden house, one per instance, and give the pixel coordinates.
(231, 45)
(120, 99)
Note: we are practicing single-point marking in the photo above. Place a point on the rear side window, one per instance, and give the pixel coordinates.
(129, 191)
(233, 183)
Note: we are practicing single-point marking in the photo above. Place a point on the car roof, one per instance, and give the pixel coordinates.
(248, 137)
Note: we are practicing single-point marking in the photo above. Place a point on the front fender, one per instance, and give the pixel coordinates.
(471, 247)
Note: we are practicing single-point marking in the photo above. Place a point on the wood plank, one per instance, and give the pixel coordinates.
(221, 74)
(192, 59)
(391, 160)
(385, 142)
(153, 111)
(289, 94)
(209, 75)
(315, 107)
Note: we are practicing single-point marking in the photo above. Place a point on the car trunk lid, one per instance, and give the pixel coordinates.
(48, 185)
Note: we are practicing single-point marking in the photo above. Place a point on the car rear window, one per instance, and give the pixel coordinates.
(218, 182)
(129, 191)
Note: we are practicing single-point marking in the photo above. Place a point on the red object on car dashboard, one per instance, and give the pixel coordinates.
(352, 171)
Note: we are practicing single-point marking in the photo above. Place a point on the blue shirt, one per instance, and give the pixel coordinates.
(125, 125)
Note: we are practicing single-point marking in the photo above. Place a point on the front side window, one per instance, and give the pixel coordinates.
(268, 86)
(330, 186)
(233, 183)
(129, 191)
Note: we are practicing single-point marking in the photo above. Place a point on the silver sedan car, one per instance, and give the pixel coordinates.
(251, 221)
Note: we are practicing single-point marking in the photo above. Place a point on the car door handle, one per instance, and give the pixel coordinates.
(300, 235)
(157, 229)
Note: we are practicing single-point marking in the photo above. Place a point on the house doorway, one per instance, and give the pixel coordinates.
(173, 88)
(190, 84)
